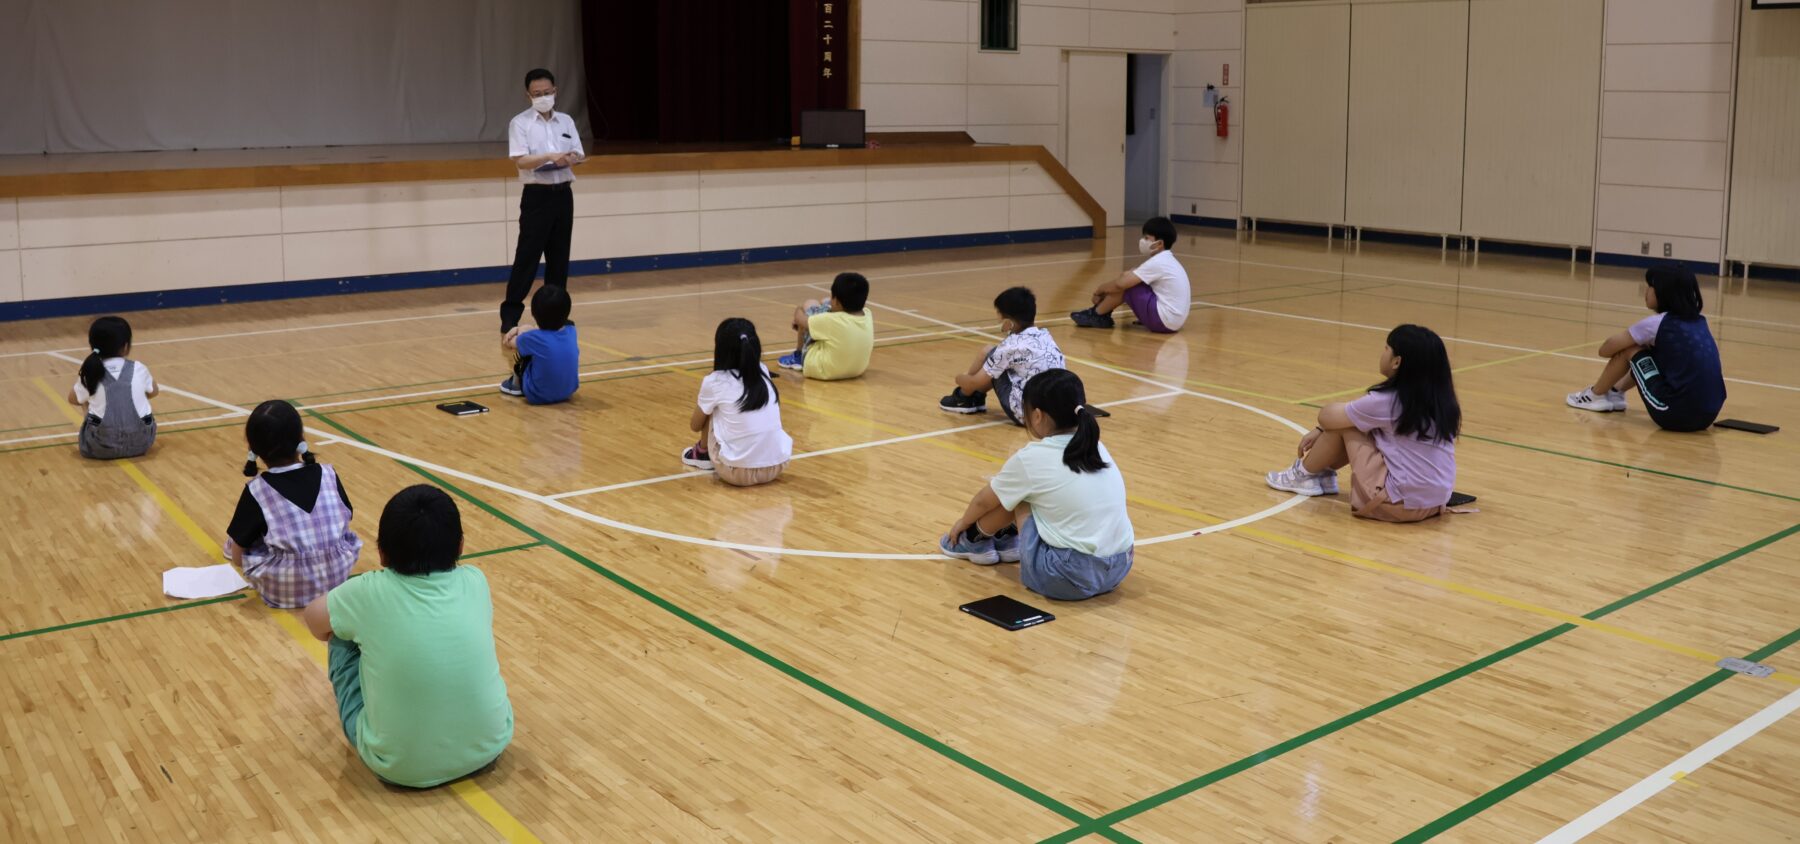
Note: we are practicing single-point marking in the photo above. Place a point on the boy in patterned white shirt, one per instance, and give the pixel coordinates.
(1026, 351)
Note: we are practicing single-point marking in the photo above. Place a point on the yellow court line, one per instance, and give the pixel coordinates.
(472, 794)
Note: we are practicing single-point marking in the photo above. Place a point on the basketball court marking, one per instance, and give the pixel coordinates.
(1331, 727)
(471, 794)
(1675, 771)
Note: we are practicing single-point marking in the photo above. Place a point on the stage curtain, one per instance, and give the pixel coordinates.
(687, 70)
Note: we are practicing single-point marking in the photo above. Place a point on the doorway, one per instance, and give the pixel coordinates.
(1144, 123)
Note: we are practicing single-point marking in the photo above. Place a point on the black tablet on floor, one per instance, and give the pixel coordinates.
(1006, 612)
(462, 408)
(1741, 425)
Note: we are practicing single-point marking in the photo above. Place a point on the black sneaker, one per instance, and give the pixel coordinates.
(961, 402)
(1091, 319)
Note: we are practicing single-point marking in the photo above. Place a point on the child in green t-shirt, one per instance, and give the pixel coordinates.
(412, 650)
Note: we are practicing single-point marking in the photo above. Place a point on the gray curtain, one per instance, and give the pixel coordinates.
(116, 75)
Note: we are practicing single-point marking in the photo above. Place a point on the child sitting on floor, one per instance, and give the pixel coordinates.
(1026, 351)
(412, 658)
(739, 412)
(117, 392)
(836, 338)
(1669, 354)
(1399, 440)
(291, 531)
(1058, 505)
(1157, 290)
(547, 368)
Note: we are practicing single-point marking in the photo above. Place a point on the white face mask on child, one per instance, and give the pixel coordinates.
(1146, 246)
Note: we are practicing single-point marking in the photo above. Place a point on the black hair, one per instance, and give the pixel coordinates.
(1161, 229)
(1058, 393)
(1018, 304)
(108, 337)
(537, 73)
(550, 307)
(275, 433)
(420, 531)
(737, 350)
(851, 290)
(1677, 291)
(1423, 385)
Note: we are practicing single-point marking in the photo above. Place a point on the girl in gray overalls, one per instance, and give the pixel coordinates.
(116, 391)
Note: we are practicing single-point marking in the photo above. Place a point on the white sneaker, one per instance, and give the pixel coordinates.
(1296, 479)
(1327, 483)
(1612, 402)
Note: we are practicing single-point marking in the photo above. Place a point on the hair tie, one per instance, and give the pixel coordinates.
(250, 457)
(95, 351)
(301, 448)
(1080, 407)
(743, 336)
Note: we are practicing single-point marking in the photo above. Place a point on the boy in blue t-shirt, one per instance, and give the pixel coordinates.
(547, 361)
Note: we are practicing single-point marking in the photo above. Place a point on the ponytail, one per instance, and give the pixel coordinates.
(108, 337)
(737, 349)
(275, 435)
(1058, 393)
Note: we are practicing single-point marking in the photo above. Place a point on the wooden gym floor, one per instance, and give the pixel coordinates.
(691, 662)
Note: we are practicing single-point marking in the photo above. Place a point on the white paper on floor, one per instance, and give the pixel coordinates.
(206, 582)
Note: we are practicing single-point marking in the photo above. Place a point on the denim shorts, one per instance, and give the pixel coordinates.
(1064, 574)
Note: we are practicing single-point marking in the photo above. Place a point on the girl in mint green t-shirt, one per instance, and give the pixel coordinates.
(412, 661)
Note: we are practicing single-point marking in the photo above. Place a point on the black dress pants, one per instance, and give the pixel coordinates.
(546, 219)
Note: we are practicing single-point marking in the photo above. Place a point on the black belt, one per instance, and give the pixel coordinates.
(559, 186)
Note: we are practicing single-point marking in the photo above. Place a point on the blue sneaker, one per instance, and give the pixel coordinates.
(791, 361)
(1007, 547)
(511, 387)
(980, 553)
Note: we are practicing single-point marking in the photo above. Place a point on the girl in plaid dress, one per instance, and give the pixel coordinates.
(291, 532)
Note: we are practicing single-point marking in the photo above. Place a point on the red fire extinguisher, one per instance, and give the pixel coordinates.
(1222, 117)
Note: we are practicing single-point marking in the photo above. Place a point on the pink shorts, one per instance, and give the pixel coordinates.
(1143, 306)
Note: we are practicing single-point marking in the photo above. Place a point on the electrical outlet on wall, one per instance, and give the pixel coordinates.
(1645, 248)
(1193, 208)
(1668, 250)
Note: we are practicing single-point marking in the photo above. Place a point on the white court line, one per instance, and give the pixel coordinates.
(584, 303)
(420, 394)
(1653, 785)
(1545, 352)
(839, 449)
(1460, 286)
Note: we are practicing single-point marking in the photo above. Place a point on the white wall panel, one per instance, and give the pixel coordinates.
(1052, 25)
(937, 181)
(1027, 179)
(1532, 120)
(1045, 211)
(1202, 143)
(1668, 117)
(774, 188)
(633, 234)
(1048, 136)
(1408, 69)
(1137, 31)
(1211, 31)
(1765, 168)
(1680, 248)
(627, 193)
(9, 223)
(1206, 180)
(1659, 210)
(926, 217)
(132, 217)
(1294, 144)
(12, 284)
(1164, 6)
(1031, 65)
(934, 106)
(1674, 164)
(943, 63)
(915, 20)
(66, 271)
(1668, 21)
(750, 228)
(1668, 67)
(400, 250)
(1006, 105)
(389, 204)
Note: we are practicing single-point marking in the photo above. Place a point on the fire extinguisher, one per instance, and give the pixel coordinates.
(1222, 117)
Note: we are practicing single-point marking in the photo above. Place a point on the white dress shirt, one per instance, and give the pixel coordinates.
(531, 133)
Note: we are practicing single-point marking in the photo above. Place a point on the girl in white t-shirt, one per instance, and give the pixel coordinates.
(1058, 505)
(739, 412)
(116, 391)
(1157, 290)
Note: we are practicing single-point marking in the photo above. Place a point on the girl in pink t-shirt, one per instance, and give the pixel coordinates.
(1399, 440)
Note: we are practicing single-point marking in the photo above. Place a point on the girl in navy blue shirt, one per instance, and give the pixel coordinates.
(1670, 355)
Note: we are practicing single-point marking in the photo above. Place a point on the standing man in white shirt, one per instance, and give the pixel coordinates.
(543, 144)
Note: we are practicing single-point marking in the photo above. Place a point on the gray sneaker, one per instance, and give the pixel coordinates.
(1297, 480)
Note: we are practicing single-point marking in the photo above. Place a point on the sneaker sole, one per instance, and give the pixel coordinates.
(513, 393)
(1593, 408)
(1010, 557)
(977, 559)
(962, 410)
(698, 464)
(1315, 492)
